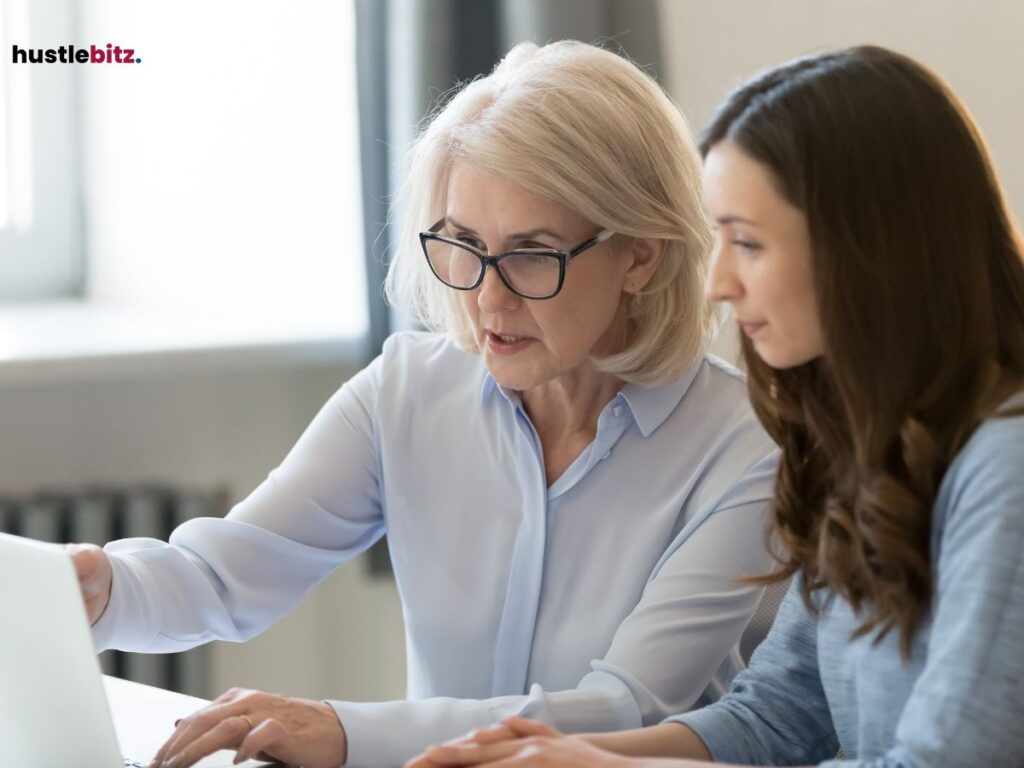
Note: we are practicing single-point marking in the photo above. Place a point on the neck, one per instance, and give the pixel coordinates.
(570, 404)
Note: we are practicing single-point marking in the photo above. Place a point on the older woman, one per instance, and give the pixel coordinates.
(569, 485)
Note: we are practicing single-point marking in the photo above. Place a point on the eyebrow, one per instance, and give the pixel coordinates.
(731, 219)
(528, 235)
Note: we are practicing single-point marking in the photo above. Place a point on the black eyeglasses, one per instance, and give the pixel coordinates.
(533, 273)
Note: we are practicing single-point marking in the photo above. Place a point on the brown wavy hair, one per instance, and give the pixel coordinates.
(919, 275)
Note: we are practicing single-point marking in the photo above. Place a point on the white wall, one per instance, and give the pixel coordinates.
(205, 428)
(710, 47)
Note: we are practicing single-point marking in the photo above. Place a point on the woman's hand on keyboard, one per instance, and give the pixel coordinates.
(258, 725)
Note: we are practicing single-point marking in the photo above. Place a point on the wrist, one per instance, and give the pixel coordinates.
(341, 752)
(106, 599)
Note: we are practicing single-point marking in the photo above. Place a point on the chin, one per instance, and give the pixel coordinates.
(781, 358)
(509, 375)
(515, 383)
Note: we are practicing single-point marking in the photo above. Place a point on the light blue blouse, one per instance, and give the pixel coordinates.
(958, 701)
(607, 600)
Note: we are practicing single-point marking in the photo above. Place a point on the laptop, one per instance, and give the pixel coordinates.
(53, 709)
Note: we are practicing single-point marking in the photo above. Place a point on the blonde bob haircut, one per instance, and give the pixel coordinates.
(586, 128)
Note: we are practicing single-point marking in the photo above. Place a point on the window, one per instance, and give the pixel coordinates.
(222, 170)
(40, 219)
(220, 174)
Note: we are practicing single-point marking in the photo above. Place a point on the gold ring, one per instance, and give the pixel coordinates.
(248, 722)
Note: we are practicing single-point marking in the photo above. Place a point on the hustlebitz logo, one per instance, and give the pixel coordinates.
(70, 54)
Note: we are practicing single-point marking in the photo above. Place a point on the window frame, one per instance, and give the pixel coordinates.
(41, 245)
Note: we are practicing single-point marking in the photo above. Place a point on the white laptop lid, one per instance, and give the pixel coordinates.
(53, 712)
(53, 709)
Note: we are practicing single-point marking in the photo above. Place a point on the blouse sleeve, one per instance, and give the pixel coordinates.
(231, 578)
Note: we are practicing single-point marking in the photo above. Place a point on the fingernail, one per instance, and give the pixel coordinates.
(240, 757)
(176, 722)
(172, 762)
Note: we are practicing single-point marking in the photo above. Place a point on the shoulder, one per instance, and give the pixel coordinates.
(412, 364)
(714, 419)
(419, 366)
(993, 454)
(717, 400)
(718, 384)
(725, 370)
(984, 485)
(420, 346)
(725, 377)
(427, 355)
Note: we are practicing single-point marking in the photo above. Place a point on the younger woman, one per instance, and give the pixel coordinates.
(866, 249)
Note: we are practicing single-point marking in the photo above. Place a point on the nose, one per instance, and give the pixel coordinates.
(493, 295)
(722, 283)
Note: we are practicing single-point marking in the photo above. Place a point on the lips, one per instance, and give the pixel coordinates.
(506, 343)
(506, 338)
(750, 328)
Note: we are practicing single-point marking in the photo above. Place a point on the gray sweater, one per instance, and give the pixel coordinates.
(810, 690)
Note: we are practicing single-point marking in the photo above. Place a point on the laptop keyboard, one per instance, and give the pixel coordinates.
(134, 764)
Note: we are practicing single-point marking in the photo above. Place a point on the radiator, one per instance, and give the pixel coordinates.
(99, 515)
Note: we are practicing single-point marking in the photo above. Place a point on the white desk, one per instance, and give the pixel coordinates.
(144, 719)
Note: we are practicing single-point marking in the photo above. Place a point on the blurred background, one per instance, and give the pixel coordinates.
(192, 246)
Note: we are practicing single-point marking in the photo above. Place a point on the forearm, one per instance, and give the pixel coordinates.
(216, 579)
(668, 745)
(665, 740)
(389, 733)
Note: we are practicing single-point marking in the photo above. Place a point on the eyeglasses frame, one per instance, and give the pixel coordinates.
(564, 257)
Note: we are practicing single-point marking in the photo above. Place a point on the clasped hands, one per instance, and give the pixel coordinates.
(517, 742)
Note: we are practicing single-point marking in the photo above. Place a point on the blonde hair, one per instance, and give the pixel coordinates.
(586, 128)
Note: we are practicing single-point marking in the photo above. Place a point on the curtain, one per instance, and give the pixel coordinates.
(410, 53)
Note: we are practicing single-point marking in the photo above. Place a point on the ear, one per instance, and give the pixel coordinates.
(645, 256)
